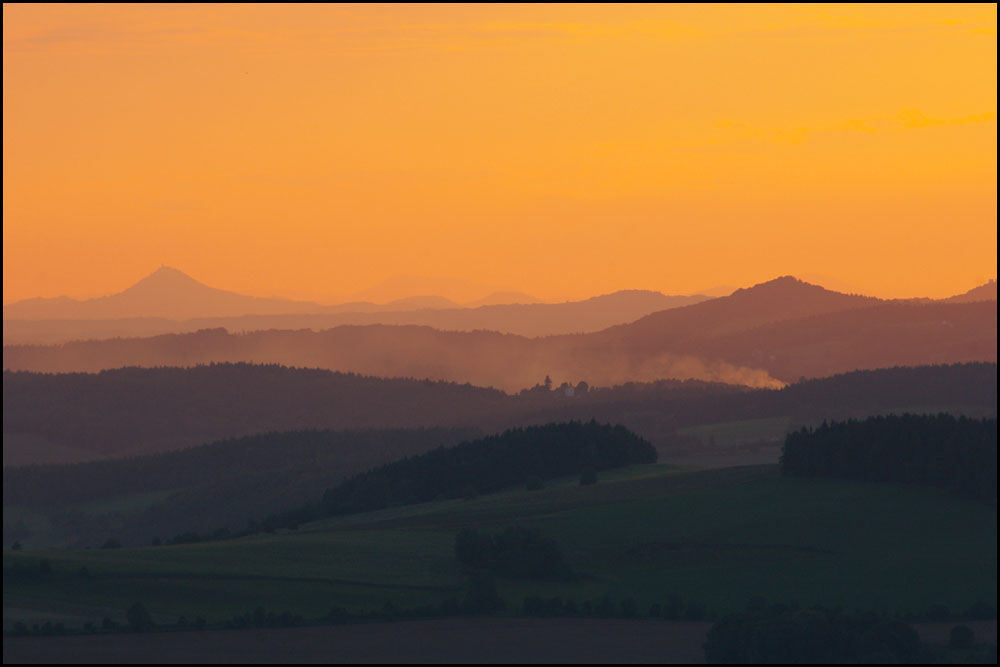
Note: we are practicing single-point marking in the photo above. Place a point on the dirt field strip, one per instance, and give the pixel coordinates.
(488, 640)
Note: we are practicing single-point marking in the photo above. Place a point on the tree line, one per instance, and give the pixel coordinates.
(487, 465)
(777, 634)
(491, 464)
(954, 453)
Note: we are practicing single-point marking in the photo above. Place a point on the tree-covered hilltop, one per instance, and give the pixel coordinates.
(491, 464)
(955, 453)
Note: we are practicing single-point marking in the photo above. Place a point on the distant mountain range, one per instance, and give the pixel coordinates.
(166, 293)
(763, 336)
(169, 301)
(171, 294)
(457, 290)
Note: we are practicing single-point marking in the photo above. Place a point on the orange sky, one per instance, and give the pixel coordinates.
(563, 151)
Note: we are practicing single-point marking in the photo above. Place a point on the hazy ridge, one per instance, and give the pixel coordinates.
(762, 336)
(168, 301)
(136, 411)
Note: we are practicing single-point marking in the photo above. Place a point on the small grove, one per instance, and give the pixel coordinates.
(958, 454)
(515, 457)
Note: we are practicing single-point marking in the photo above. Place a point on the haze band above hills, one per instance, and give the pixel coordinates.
(763, 336)
(168, 301)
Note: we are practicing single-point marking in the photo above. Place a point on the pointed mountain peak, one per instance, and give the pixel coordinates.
(166, 279)
(168, 274)
(165, 270)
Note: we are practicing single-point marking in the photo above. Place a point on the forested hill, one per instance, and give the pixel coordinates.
(488, 465)
(764, 336)
(228, 484)
(957, 454)
(969, 388)
(135, 411)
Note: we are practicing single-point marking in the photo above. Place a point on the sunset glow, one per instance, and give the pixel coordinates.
(562, 151)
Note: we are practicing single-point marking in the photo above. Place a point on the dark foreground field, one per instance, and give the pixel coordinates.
(713, 539)
(432, 641)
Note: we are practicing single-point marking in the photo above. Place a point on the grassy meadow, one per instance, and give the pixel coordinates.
(713, 538)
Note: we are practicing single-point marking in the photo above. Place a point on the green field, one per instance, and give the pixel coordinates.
(44, 535)
(715, 538)
(727, 434)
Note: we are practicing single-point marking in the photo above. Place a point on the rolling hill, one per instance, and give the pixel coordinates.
(985, 292)
(136, 411)
(655, 534)
(763, 336)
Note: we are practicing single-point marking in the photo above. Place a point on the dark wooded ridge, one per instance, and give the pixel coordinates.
(954, 453)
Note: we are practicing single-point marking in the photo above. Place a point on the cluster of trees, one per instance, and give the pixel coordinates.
(516, 552)
(778, 635)
(955, 453)
(481, 598)
(46, 629)
(521, 456)
(491, 464)
(137, 619)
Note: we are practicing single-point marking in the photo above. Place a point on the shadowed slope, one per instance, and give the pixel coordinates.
(985, 292)
(783, 298)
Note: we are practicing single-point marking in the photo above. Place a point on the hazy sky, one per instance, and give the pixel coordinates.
(313, 151)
